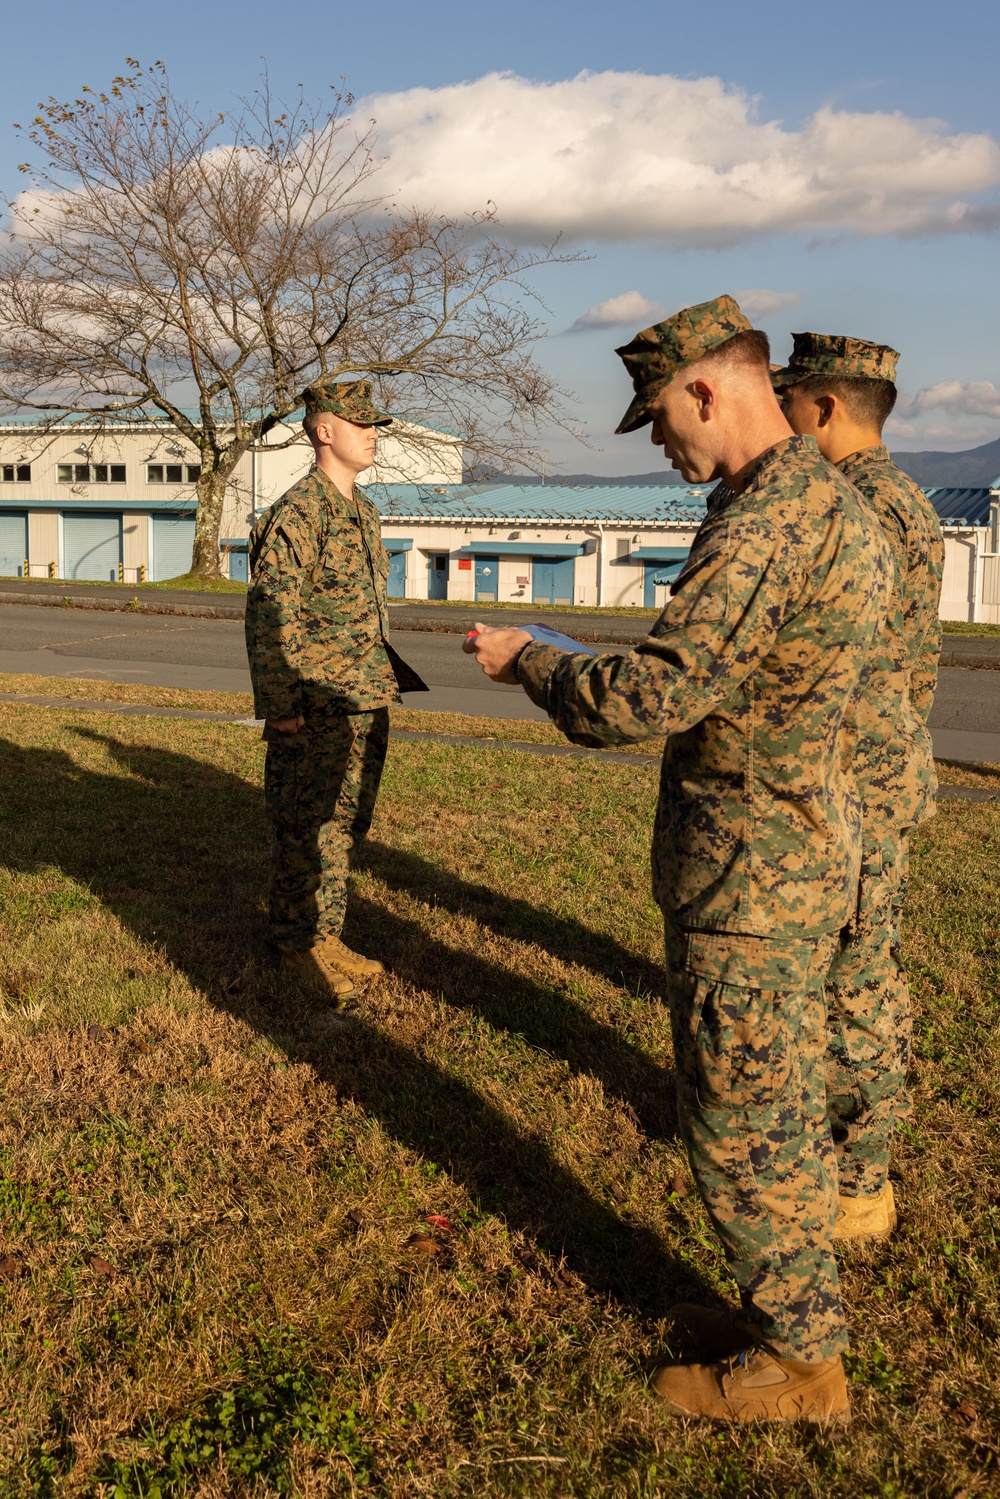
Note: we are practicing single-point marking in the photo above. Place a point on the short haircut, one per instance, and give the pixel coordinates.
(748, 348)
(868, 402)
(311, 421)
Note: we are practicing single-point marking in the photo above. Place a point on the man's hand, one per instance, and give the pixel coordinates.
(497, 650)
(286, 725)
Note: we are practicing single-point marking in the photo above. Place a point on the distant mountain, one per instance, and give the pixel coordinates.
(659, 477)
(976, 468)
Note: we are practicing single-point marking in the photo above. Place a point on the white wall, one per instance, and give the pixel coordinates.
(623, 578)
(958, 584)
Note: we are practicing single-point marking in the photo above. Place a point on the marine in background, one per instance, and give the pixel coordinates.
(840, 391)
(323, 675)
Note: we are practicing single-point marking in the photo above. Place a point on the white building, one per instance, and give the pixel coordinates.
(116, 500)
(546, 544)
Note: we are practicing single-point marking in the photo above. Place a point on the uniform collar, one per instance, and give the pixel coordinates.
(878, 451)
(805, 447)
(329, 488)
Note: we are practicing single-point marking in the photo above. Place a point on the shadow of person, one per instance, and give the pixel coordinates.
(175, 849)
(512, 1001)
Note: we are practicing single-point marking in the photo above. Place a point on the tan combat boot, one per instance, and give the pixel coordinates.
(756, 1386)
(866, 1217)
(719, 1330)
(352, 963)
(315, 973)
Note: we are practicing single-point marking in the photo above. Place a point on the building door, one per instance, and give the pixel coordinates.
(395, 583)
(92, 546)
(239, 567)
(552, 580)
(487, 580)
(173, 546)
(656, 589)
(437, 575)
(13, 543)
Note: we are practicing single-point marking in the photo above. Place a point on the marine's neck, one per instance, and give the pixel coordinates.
(342, 475)
(762, 430)
(838, 443)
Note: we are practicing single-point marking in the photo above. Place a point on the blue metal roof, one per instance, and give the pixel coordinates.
(617, 503)
(965, 507)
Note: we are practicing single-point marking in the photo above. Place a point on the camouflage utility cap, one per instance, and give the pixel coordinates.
(656, 354)
(836, 355)
(350, 399)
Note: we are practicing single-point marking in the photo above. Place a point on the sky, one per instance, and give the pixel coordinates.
(836, 168)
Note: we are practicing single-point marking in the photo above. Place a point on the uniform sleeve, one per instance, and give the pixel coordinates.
(281, 557)
(728, 606)
(923, 619)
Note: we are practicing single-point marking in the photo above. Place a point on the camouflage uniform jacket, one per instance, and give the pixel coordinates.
(894, 759)
(750, 670)
(316, 620)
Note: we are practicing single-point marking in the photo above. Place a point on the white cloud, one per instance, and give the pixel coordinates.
(975, 398)
(758, 302)
(630, 308)
(624, 156)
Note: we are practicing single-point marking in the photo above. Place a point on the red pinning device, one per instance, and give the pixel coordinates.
(472, 634)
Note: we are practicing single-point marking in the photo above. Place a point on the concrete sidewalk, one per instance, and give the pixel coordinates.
(960, 747)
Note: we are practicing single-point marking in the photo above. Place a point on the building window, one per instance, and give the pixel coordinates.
(90, 473)
(173, 473)
(16, 473)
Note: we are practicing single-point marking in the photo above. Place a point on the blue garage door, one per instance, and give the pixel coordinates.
(173, 544)
(395, 583)
(13, 543)
(552, 580)
(487, 579)
(92, 546)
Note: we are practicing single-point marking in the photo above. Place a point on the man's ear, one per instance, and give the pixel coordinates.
(827, 405)
(705, 396)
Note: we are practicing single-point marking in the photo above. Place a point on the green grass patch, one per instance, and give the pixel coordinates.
(213, 1191)
(964, 627)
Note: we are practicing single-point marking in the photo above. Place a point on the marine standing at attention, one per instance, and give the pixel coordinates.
(752, 670)
(323, 675)
(840, 391)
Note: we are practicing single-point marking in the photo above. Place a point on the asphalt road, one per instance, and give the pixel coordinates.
(209, 654)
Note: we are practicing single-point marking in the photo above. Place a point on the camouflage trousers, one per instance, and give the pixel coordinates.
(749, 1029)
(320, 787)
(870, 1028)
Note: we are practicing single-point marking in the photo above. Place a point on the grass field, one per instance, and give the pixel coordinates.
(219, 1273)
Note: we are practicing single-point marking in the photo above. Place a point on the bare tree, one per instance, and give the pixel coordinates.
(209, 269)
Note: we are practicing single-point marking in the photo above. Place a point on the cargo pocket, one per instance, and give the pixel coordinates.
(745, 1060)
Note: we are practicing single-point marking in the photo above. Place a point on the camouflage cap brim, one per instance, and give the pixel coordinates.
(638, 414)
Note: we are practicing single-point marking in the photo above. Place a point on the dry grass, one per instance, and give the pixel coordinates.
(240, 704)
(210, 1186)
(961, 773)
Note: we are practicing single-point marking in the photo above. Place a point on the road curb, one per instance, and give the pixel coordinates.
(116, 606)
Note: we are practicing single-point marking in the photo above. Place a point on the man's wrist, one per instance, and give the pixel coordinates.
(514, 664)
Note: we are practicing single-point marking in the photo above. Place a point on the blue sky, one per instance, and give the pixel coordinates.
(813, 90)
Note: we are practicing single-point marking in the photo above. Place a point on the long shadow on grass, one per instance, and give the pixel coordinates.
(175, 851)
